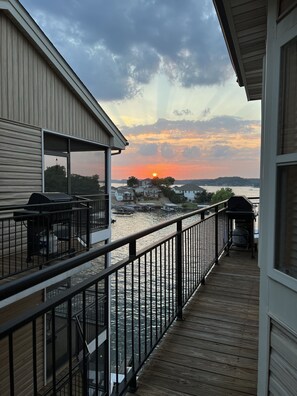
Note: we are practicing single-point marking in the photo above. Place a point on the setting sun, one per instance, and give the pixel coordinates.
(155, 174)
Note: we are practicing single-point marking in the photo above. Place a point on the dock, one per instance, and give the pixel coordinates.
(214, 349)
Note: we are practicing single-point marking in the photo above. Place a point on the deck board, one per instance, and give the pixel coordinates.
(214, 350)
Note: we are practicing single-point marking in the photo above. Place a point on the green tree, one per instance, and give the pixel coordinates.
(166, 181)
(204, 197)
(84, 185)
(222, 195)
(132, 181)
(156, 181)
(171, 195)
(55, 179)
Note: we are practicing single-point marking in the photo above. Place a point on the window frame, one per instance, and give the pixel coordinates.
(67, 155)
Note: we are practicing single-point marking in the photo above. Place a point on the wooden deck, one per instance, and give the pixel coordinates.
(213, 351)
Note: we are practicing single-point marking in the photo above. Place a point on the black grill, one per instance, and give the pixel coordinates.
(46, 213)
(61, 201)
(241, 210)
(240, 205)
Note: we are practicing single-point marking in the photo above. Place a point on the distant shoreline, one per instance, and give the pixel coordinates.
(226, 181)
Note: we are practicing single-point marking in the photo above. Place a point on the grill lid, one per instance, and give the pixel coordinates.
(49, 197)
(239, 204)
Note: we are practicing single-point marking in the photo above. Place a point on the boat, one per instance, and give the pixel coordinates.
(170, 207)
(123, 211)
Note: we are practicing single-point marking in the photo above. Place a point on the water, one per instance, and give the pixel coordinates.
(147, 311)
(129, 224)
(126, 225)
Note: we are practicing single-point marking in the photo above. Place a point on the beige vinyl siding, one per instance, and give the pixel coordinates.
(33, 93)
(20, 162)
(283, 361)
(22, 346)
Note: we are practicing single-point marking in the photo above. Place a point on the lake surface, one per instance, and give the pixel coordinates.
(129, 224)
(126, 225)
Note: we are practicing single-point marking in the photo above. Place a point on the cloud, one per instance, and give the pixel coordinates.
(192, 152)
(117, 46)
(167, 150)
(148, 149)
(219, 151)
(205, 112)
(221, 124)
(182, 112)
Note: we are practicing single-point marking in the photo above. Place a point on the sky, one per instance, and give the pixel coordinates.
(161, 71)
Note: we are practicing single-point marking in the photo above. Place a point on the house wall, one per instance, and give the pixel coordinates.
(190, 195)
(20, 162)
(278, 289)
(23, 352)
(283, 361)
(31, 92)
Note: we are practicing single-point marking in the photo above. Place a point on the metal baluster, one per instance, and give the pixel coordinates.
(69, 341)
(11, 364)
(34, 368)
(179, 271)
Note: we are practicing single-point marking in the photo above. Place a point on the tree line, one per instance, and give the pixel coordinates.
(201, 198)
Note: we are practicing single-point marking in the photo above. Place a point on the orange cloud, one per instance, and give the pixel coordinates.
(217, 147)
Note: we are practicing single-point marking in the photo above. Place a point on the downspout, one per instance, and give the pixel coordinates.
(117, 152)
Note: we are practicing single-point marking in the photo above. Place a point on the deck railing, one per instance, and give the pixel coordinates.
(99, 210)
(32, 236)
(145, 293)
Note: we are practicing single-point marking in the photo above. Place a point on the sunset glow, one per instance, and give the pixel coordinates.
(173, 94)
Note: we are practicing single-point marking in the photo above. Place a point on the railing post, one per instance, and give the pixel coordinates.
(228, 233)
(217, 234)
(179, 270)
(88, 226)
(132, 249)
(132, 386)
(107, 213)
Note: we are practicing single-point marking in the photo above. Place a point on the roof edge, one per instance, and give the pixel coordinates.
(222, 16)
(23, 19)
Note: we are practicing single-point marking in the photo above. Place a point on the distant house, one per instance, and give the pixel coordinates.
(189, 191)
(148, 191)
(145, 182)
(151, 192)
(124, 194)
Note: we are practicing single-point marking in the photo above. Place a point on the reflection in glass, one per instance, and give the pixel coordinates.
(288, 99)
(87, 172)
(73, 166)
(286, 236)
(55, 174)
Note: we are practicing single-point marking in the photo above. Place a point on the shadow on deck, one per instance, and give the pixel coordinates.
(213, 351)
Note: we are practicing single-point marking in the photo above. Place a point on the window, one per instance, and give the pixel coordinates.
(288, 99)
(286, 234)
(73, 166)
(286, 6)
(286, 242)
